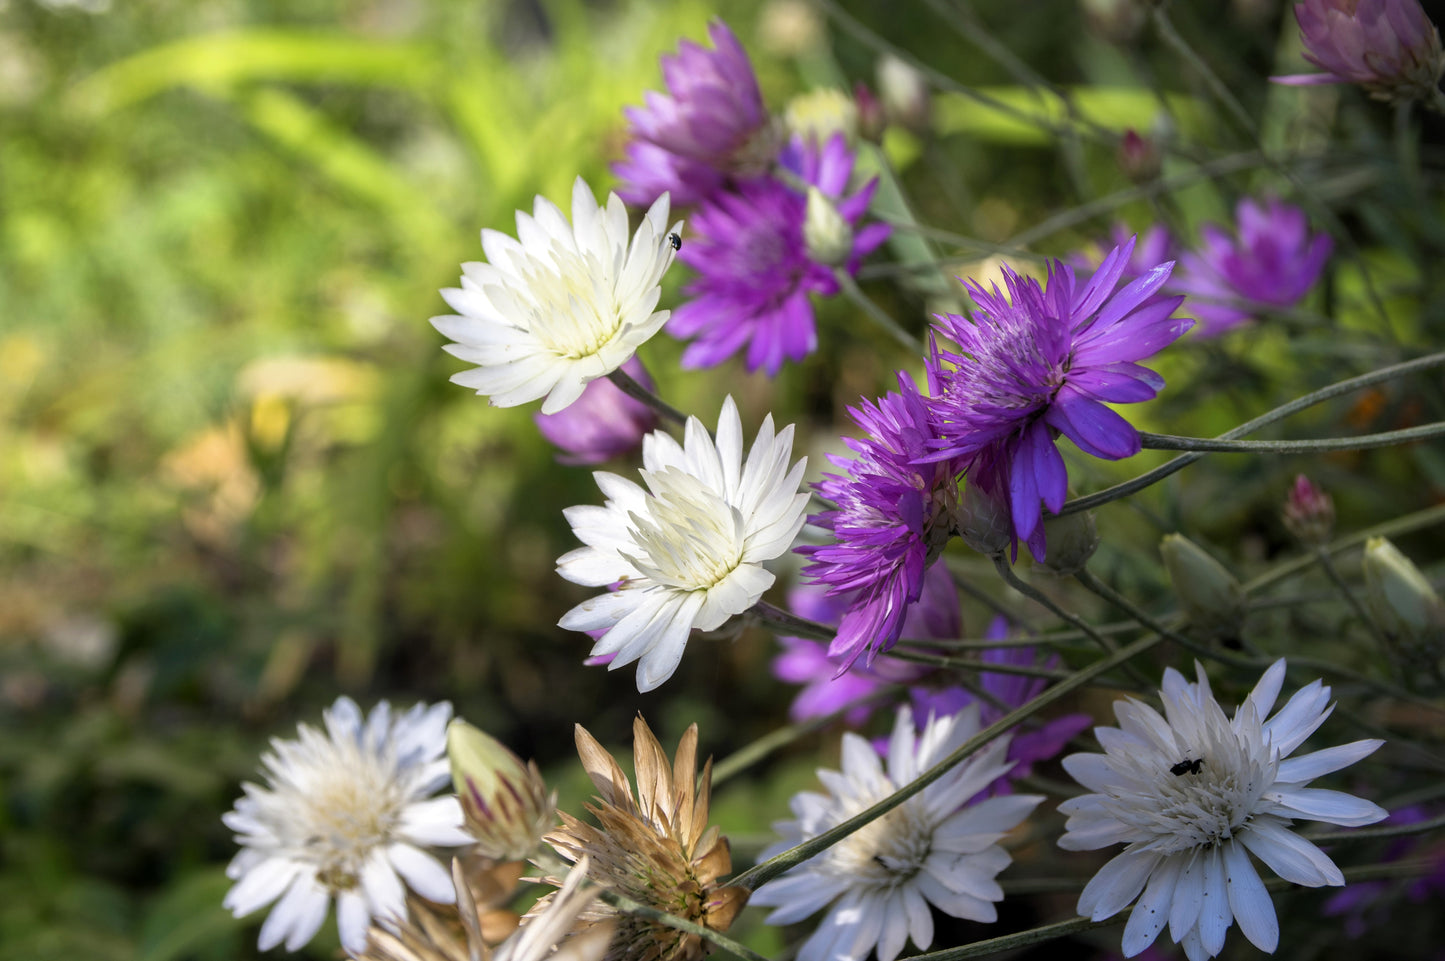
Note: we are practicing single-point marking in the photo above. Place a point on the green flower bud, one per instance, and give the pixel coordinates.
(506, 803)
(827, 233)
(984, 523)
(1071, 540)
(1211, 596)
(1403, 603)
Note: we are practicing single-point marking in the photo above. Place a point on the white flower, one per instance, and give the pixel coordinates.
(563, 304)
(881, 879)
(689, 549)
(344, 813)
(1194, 793)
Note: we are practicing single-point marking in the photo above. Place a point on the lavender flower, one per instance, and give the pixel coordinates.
(755, 270)
(601, 424)
(1389, 47)
(893, 516)
(1274, 263)
(825, 690)
(1042, 362)
(710, 127)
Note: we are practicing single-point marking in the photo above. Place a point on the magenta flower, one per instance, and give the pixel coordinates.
(893, 515)
(710, 127)
(1152, 246)
(1273, 263)
(601, 424)
(1389, 47)
(1045, 361)
(755, 272)
(826, 685)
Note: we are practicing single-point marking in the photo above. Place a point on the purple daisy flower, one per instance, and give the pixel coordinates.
(755, 272)
(1389, 47)
(1043, 362)
(601, 424)
(892, 518)
(935, 615)
(1273, 263)
(711, 126)
(1152, 246)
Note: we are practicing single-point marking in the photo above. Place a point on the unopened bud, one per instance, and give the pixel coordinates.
(826, 232)
(872, 120)
(984, 522)
(506, 803)
(1211, 596)
(1402, 602)
(1138, 157)
(904, 92)
(1309, 514)
(1071, 540)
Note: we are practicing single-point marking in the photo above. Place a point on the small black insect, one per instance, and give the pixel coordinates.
(1187, 766)
(675, 240)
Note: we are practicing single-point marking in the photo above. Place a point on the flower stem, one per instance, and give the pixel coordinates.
(1333, 573)
(760, 874)
(1279, 413)
(1363, 442)
(1009, 942)
(624, 382)
(791, 623)
(878, 315)
(1039, 597)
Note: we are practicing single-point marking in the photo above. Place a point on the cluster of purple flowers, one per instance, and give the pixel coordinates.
(712, 145)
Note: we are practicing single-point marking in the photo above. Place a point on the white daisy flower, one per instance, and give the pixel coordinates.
(346, 813)
(688, 551)
(563, 304)
(1194, 793)
(879, 881)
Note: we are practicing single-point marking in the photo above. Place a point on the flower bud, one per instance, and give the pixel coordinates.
(904, 92)
(872, 120)
(1403, 603)
(826, 232)
(506, 803)
(1211, 596)
(1138, 157)
(1071, 539)
(984, 522)
(1308, 514)
(1389, 47)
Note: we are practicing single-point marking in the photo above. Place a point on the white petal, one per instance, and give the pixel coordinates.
(1117, 883)
(1289, 855)
(1333, 807)
(1249, 900)
(1215, 916)
(1307, 767)
(297, 916)
(1152, 912)
(423, 873)
(352, 920)
(261, 885)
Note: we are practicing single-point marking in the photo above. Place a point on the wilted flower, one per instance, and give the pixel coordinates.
(1210, 595)
(656, 849)
(1309, 513)
(603, 423)
(1273, 263)
(688, 551)
(1194, 793)
(710, 127)
(755, 268)
(878, 883)
(562, 305)
(1389, 47)
(346, 814)
(891, 520)
(506, 802)
(1042, 362)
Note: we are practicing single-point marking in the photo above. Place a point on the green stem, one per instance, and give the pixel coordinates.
(1039, 597)
(1393, 528)
(1362, 442)
(1023, 939)
(1333, 573)
(1264, 420)
(791, 624)
(623, 382)
(878, 315)
(760, 874)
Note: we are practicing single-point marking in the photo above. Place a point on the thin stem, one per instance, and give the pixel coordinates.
(791, 624)
(1264, 420)
(750, 754)
(1038, 597)
(629, 906)
(760, 874)
(1394, 528)
(1216, 86)
(624, 382)
(1362, 442)
(1333, 573)
(1009, 942)
(878, 315)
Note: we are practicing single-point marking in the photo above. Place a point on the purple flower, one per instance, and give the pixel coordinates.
(711, 126)
(1389, 47)
(1043, 362)
(1153, 246)
(754, 268)
(1273, 263)
(601, 424)
(935, 615)
(892, 517)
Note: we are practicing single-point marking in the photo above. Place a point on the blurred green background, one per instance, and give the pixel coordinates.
(234, 480)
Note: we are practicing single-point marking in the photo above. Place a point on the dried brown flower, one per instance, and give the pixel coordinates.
(656, 849)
